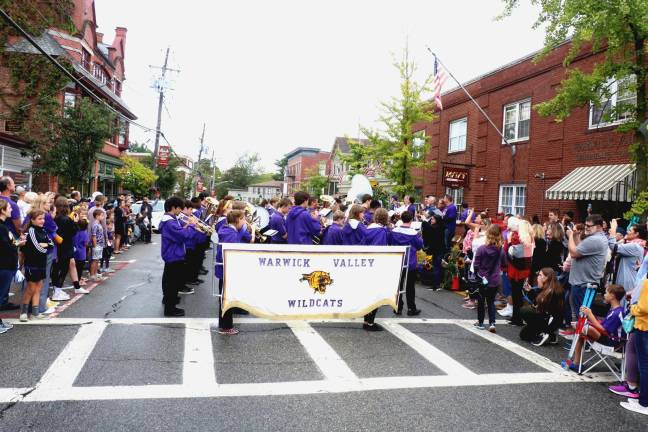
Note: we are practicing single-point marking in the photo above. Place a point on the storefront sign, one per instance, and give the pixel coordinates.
(455, 178)
(310, 282)
(600, 148)
(163, 155)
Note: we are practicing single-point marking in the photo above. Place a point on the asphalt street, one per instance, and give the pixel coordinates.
(110, 362)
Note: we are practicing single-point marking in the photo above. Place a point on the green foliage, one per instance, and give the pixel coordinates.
(77, 136)
(135, 176)
(392, 147)
(135, 147)
(358, 157)
(243, 173)
(314, 182)
(167, 176)
(281, 169)
(381, 194)
(616, 28)
(639, 207)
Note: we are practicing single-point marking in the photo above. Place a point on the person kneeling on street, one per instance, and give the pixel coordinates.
(544, 315)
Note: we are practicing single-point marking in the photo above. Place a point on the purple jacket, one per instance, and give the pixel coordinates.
(368, 217)
(352, 236)
(301, 227)
(333, 235)
(244, 235)
(226, 234)
(450, 218)
(376, 235)
(277, 222)
(193, 238)
(401, 236)
(80, 242)
(173, 239)
(489, 261)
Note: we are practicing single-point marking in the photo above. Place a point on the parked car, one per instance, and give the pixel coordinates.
(158, 212)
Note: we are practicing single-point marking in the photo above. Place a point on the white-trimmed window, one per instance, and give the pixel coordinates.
(457, 133)
(418, 144)
(512, 199)
(616, 108)
(457, 195)
(517, 119)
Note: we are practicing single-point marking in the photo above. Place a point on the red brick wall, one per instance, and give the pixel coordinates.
(554, 149)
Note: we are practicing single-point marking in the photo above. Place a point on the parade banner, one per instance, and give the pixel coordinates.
(310, 282)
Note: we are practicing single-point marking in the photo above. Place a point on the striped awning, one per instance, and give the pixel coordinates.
(601, 182)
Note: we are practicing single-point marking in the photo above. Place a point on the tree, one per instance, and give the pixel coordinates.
(243, 172)
(281, 169)
(314, 182)
(618, 29)
(396, 147)
(135, 147)
(135, 176)
(76, 136)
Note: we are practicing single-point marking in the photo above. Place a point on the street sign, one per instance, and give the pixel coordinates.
(163, 155)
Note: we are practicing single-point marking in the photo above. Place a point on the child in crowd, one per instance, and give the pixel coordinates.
(488, 262)
(81, 241)
(98, 242)
(405, 235)
(333, 233)
(608, 331)
(104, 263)
(228, 233)
(35, 260)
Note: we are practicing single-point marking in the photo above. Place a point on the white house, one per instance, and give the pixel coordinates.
(258, 191)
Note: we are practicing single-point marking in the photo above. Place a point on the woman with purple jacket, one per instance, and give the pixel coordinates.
(354, 231)
(489, 260)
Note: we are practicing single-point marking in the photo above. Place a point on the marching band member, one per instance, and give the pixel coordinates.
(272, 205)
(354, 231)
(366, 204)
(228, 233)
(193, 246)
(333, 234)
(404, 235)
(377, 235)
(410, 206)
(174, 237)
(224, 207)
(302, 224)
(278, 221)
(245, 233)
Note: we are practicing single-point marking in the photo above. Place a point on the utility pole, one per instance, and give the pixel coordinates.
(160, 86)
(213, 178)
(202, 147)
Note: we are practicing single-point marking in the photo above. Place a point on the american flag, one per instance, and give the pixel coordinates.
(437, 83)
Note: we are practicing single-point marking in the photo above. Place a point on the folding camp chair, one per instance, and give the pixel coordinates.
(602, 354)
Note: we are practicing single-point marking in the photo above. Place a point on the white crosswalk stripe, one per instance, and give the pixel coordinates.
(200, 375)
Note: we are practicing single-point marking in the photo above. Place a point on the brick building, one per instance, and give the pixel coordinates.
(544, 166)
(100, 66)
(304, 162)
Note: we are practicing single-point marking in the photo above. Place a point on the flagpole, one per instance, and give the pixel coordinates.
(513, 149)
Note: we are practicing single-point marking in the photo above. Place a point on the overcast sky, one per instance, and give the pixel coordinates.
(269, 76)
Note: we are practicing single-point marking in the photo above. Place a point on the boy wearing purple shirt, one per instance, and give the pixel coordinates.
(333, 234)
(301, 225)
(278, 221)
(407, 236)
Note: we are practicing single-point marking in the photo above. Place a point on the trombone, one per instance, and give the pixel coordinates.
(200, 225)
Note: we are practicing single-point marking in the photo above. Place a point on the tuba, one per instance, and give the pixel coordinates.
(359, 186)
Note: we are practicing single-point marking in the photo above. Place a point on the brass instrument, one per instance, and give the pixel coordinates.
(200, 225)
(211, 205)
(257, 219)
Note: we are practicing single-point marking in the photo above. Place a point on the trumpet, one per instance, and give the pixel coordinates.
(200, 225)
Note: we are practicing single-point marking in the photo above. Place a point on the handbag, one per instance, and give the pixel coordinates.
(628, 323)
(19, 277)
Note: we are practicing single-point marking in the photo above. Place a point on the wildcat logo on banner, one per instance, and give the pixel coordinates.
(311, 282)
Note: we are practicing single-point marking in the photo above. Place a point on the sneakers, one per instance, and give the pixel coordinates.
(544, 337)
(623, 390)
(3, 329)
(228, 332)
(6, 325)
(59, 295)
(108, 270)
(491, 328)
(81, 291)
(23, 318)
(66, 288)
(479, 326)
(507, 311)
(186, 291)
(49, 311)
(372, 327)
(633, 405)
(413, 312)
